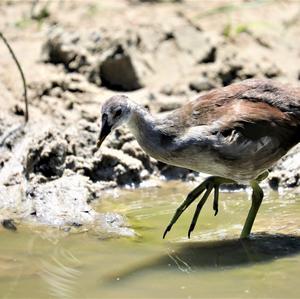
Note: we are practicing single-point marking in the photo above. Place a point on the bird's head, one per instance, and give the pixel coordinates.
(115, 112)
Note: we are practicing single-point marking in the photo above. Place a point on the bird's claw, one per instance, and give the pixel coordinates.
(189, 232)
(208, 185)
(167, 230)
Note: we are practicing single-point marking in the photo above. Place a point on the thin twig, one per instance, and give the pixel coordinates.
(21, 72)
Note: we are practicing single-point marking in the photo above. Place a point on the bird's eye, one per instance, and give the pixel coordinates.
(104, 117)
(118, 112)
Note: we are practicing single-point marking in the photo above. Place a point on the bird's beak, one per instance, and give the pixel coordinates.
(105, 130)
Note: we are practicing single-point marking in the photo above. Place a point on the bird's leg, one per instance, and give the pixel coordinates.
(257, 197)
(209, 184)
(214, 183)
(199, 207)
(190, 198)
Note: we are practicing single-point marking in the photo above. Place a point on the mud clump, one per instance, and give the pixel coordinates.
(286, 172)
(115, 165)
(133, 149)
(64, 48)
(48, 156)
(62, 201)
(119, 70)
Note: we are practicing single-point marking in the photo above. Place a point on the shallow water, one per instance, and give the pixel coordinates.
(213, 264)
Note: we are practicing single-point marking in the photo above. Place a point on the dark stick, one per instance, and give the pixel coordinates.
(21, 72)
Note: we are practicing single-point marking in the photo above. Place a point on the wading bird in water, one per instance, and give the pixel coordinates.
(234, 133)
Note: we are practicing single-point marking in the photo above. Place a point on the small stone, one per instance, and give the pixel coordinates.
(9, 224)
(18, 109)
(274, 182)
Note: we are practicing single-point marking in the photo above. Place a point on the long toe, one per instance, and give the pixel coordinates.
(216, 200)
(190, 198)
(199, 208)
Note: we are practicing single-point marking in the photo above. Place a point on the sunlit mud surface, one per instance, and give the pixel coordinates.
(212, 264)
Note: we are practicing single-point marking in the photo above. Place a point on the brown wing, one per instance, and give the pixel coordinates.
(283, 97)
(255, 108)
(262, 93)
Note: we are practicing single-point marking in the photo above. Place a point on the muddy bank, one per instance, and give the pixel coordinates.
(37, 188)
(159, 54)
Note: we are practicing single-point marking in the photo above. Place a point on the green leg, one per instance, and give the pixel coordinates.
(257, 197)
(190, 198)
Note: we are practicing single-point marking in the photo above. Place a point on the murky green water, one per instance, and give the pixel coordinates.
(213, 264)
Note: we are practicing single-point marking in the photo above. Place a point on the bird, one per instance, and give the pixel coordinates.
(233, 133)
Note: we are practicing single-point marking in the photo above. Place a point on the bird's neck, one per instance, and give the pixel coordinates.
(146, 130)
(141, 122)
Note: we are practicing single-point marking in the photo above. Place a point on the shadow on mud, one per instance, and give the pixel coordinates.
(219, 255)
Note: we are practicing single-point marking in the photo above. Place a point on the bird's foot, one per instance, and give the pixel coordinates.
(209, 184)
